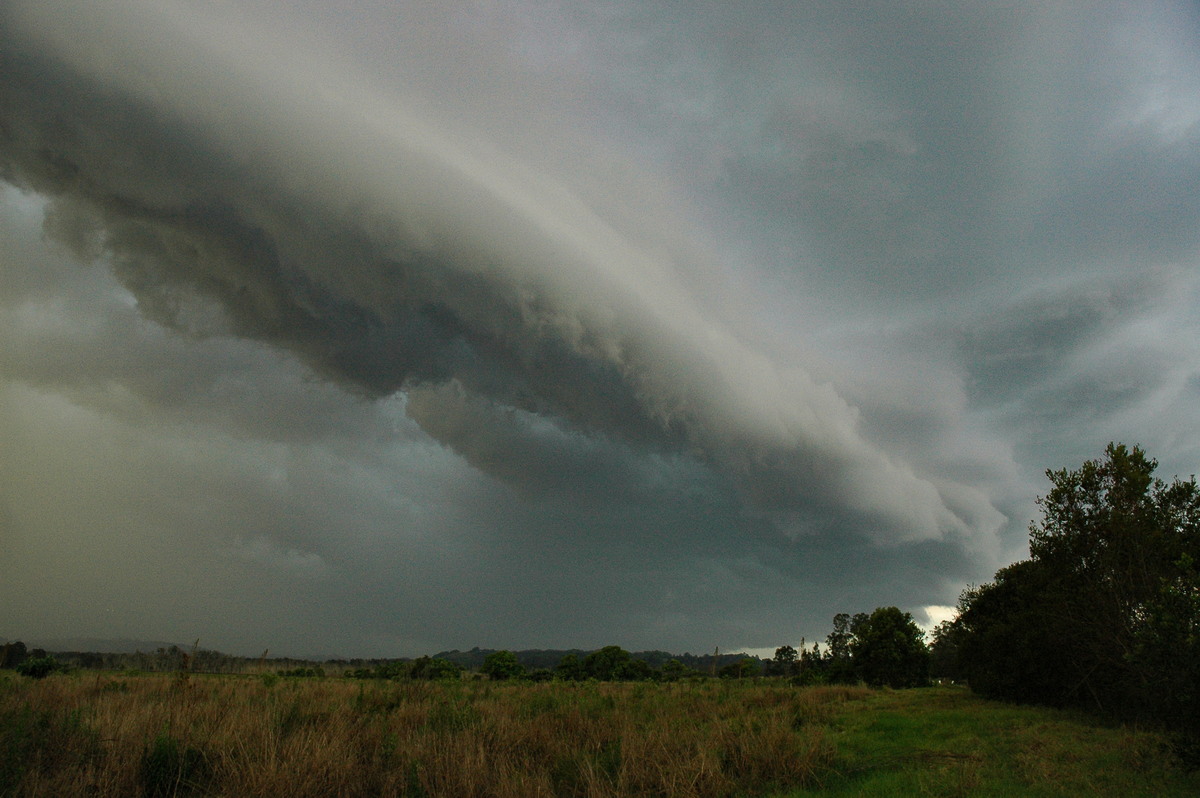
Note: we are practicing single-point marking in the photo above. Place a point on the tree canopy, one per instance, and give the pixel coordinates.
(1105, 614)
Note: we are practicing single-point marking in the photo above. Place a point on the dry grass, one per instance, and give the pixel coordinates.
(163, 735)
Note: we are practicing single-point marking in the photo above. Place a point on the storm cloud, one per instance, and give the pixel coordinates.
(547, 326)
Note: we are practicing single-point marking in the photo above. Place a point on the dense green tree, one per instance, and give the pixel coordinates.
(1104, 612)
(888, 648)
(570, 669)
(540, 675)
(38, 667)
(433, 668)
(633, 670)
(742, 669)
(607, 664)
(672, 670)
(1166, 656)
(1007, 647)
(500, 665)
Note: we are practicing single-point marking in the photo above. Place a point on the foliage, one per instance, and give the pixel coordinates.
(39, 667)
(742, 669)
(13, 654)
(888, 648)
(784, 662)
(607, 664)
(673, 670)
(883, 648)
(501, 665)
(302, 673)
(943, 650)
(421, 668)
(1104, 613)
(838, 665)
(570, 669)
(1167, 655)
(433, 668)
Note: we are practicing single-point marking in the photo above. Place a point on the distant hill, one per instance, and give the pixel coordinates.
(470, 660)
(106, 645)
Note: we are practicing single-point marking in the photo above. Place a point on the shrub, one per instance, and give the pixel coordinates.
(39, 667)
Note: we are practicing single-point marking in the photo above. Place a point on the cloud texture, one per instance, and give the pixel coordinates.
(539, 325)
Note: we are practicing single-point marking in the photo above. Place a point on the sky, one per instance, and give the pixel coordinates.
(385, 328)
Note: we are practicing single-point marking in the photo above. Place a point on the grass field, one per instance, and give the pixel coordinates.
(161, 735)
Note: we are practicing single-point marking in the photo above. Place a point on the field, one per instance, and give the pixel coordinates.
(189, 734)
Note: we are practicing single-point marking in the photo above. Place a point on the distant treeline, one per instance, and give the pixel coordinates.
(199, 660)
(882, 648)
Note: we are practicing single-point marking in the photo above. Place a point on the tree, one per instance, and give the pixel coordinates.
(943, 650)
(606, 664)
(673, 670)
(838, 667)
(570, 669)
(784, 662)
(1007, 647)
(13, 654)
(888, 648)
(501, 665)
(433, 668)
(38, 667)
(1167, 656)
(744, 668)
(1098, 615)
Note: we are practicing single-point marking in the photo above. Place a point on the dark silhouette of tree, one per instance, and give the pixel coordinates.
(13, 654)
(607, 664)
(1105, 614)
(785, 661)
(888, 648)
(838, 667)
(570, 669)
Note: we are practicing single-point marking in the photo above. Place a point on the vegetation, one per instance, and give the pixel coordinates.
(120, 735)
(38, 667)
(1105, 615)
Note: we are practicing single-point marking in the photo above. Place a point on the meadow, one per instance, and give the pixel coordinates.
(112, 734)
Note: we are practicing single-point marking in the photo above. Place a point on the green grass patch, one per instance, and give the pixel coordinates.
(949, 742)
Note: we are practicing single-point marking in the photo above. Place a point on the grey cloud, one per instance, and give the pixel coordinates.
(527, 324)
(444, 266)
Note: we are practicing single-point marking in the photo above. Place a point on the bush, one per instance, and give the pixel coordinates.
(500, 665)
(39, 667)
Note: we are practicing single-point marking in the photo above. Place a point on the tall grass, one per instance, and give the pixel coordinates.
(162, 735)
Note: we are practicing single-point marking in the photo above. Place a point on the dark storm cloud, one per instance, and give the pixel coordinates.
(381, 328)
(389, 259)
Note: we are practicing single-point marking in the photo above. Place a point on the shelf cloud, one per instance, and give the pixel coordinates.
(450, 290)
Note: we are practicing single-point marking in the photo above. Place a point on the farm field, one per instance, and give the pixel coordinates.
(112, 734)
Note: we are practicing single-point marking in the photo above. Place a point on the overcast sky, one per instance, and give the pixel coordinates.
(381, 328)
